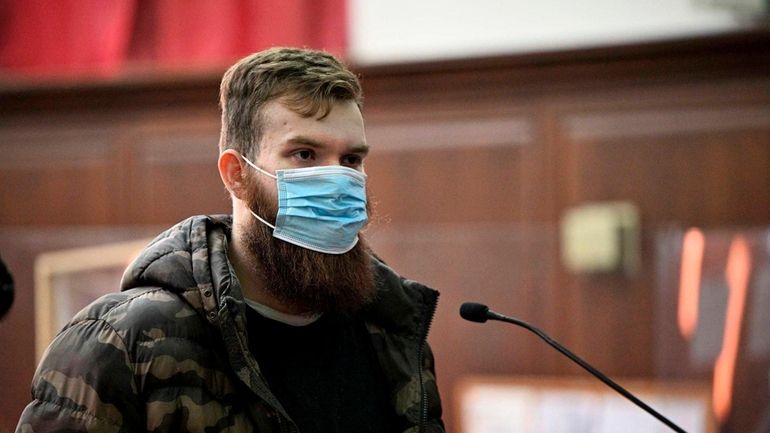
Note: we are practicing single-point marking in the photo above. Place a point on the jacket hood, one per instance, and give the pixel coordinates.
(190, 259)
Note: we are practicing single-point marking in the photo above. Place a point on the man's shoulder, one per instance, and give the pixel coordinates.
(139, 309)
(406, 290)
(143, 323)
(400, 302)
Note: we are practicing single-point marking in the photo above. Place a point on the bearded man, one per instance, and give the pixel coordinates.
(278, 318)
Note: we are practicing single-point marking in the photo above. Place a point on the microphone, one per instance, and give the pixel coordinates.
(6, 289)
(480, 313)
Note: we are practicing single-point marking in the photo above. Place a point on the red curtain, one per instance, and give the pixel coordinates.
(106, 37)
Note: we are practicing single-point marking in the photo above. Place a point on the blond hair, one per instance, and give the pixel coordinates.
(307, 82)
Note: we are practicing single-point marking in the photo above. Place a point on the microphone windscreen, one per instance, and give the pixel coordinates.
(6, 289)
(474, 312)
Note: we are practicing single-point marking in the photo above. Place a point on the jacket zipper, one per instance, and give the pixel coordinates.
(283, 427)
(431, 311)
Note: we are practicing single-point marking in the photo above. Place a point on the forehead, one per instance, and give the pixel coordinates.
(343, 124)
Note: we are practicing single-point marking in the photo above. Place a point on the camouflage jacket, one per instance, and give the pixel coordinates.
(170, 352)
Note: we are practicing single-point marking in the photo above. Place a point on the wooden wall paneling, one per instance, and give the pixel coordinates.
(544, 178)
(448, 166)
(699, 167)
(174, 172)
(116, 109)
(455, 186)
(59, 174)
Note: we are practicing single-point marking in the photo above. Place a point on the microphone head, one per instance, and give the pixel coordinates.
(474, 312)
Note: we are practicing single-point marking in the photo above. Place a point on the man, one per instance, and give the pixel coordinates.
(275, 319)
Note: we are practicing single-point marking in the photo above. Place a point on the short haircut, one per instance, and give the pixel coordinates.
(308, 82)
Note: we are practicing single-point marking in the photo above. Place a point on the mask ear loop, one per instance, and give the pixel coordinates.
(258, 169)
(261, 220)
(266, 174)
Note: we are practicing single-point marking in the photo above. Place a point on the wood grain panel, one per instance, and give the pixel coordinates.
(703, 179)
(446, 133)
(174, 173)
(59, 176)
(656, 122)
(436, 186)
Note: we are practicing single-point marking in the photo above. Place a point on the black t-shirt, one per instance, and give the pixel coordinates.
(325, 374)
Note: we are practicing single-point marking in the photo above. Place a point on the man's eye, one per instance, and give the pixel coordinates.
(304, 155)
(352, 160)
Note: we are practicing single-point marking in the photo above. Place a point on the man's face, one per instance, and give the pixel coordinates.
(292, 141)
(303, 279)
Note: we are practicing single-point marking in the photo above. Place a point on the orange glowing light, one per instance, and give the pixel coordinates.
(737, 274)
(689, 281)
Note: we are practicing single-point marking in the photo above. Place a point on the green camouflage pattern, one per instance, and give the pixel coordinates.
(169, 353)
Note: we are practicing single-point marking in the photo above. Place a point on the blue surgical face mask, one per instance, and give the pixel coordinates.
(319, 208)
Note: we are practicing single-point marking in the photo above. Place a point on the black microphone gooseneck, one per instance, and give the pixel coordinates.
(481, 313)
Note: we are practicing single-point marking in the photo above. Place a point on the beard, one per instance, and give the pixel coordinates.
(303, 279)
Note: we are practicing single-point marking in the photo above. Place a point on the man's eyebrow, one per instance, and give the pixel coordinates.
(362, 148)
(307, 141)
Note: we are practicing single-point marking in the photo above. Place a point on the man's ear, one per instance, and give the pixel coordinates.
(230, 170)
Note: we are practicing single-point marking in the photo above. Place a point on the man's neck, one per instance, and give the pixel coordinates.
(247, 270)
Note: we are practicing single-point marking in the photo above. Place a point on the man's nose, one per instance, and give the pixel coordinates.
(331, 160)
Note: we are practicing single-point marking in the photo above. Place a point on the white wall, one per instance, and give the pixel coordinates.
(384, 31)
